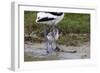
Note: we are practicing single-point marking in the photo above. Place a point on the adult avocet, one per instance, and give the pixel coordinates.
(49, 18)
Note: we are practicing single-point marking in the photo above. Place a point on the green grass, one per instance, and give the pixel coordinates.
(75, 23)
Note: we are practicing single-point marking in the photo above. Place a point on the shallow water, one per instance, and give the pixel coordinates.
(37, 52)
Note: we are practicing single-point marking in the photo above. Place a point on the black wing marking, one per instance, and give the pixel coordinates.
(45, 19)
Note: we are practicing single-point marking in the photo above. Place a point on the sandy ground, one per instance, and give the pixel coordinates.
(37, 52)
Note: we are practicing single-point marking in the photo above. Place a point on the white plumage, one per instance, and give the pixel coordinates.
(49, 18)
